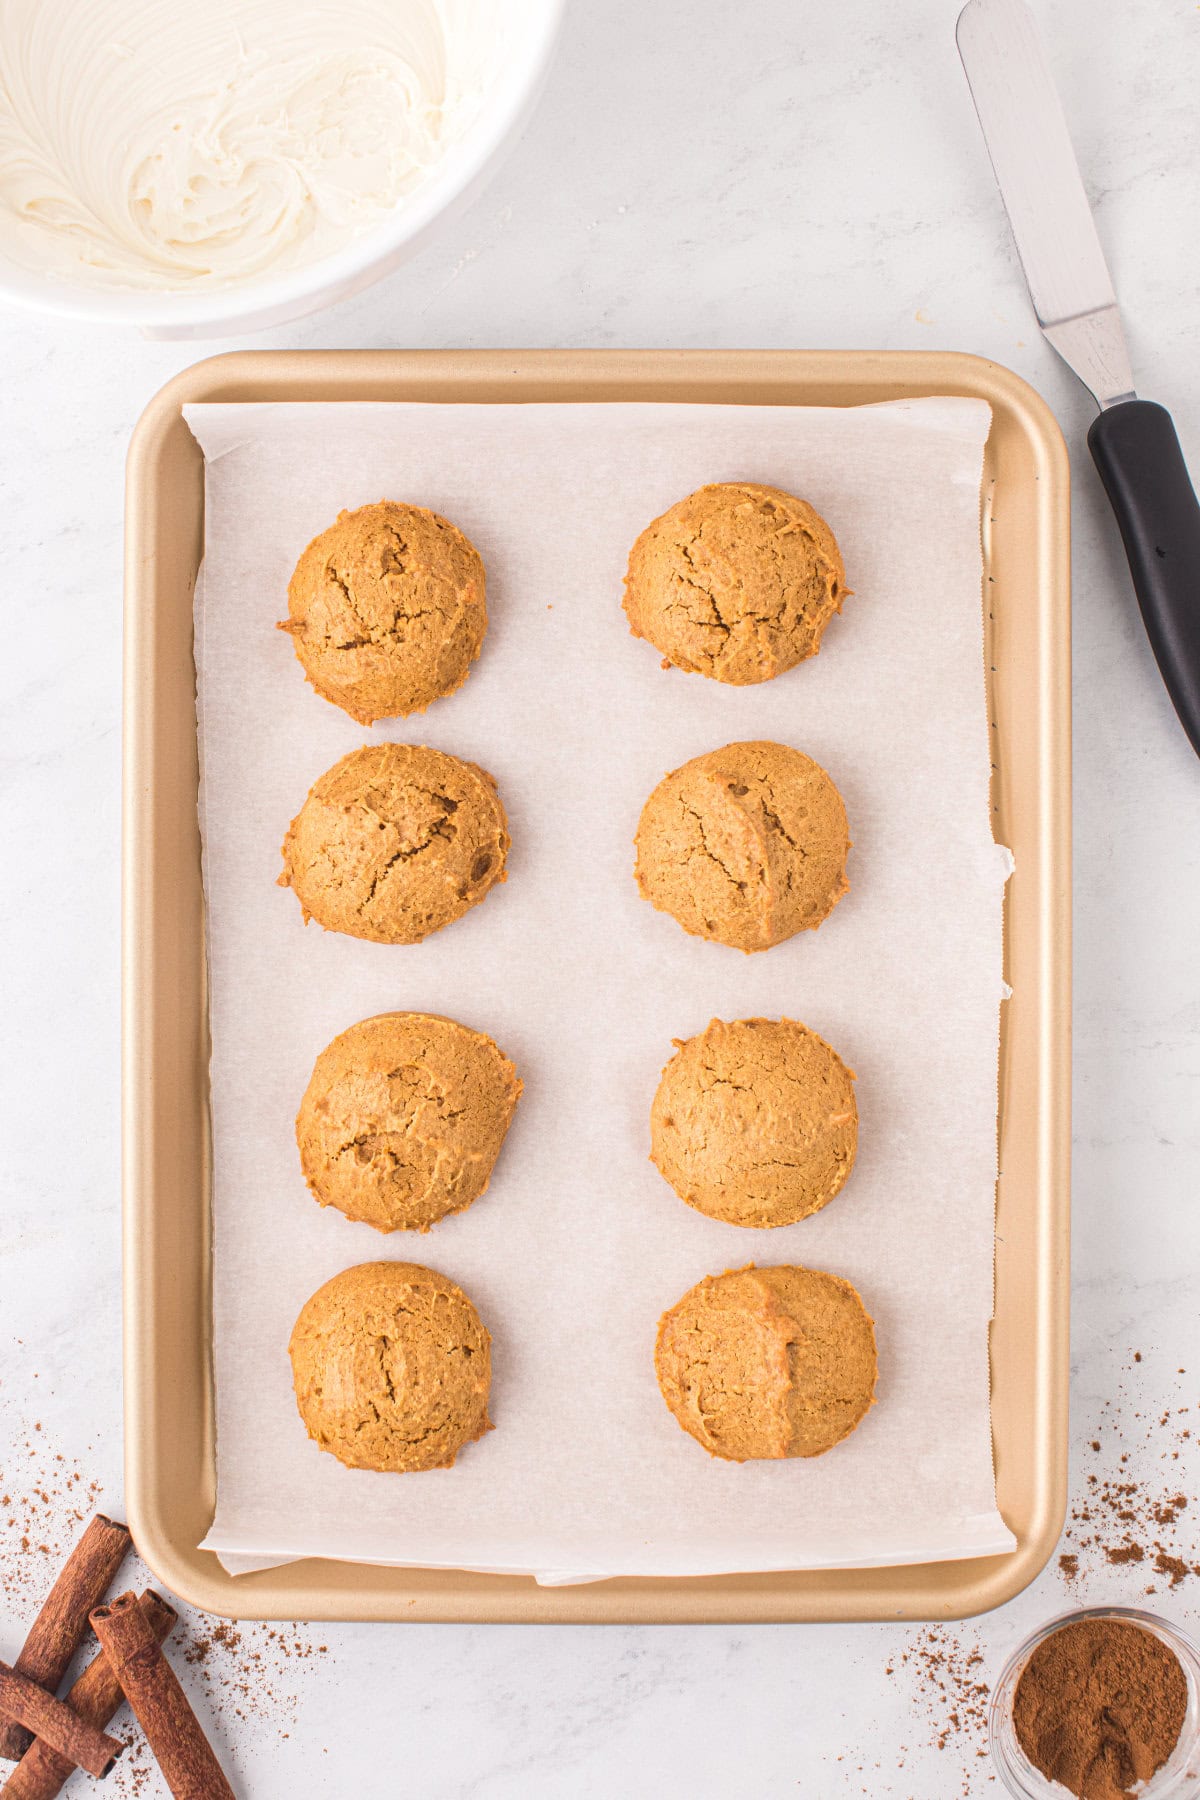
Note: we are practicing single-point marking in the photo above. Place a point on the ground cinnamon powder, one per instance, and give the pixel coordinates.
(1099, 1707)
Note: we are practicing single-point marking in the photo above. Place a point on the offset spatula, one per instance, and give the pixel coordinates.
(1133, 442)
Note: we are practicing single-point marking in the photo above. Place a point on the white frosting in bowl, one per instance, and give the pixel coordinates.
(181, 145)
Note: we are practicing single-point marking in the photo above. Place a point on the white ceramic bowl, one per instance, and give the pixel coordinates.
(528, 41)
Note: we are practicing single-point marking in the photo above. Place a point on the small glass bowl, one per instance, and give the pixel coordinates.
(1179, 1777)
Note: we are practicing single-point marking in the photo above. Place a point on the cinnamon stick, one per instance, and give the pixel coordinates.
(172, 1729)
(96, 1697)
(58, 1630)
(62, 1729)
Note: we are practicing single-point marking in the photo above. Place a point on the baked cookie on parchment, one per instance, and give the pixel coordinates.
(395, 841)
(387, 610)
(403, 1119)
(392, 1366)
(746, 845)
(737, 581)
(754, 1122)
(767, 1363)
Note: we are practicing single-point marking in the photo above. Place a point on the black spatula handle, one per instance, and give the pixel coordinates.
(1135, 448)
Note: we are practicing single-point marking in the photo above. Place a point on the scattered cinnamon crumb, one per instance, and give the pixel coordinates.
(1125, 1517)
(1175, 1567)
(950, 1695)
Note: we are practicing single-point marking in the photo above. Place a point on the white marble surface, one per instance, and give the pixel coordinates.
(795, 174)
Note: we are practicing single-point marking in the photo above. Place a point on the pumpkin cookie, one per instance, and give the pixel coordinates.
(387, 610)
(737, 582)
(392, 1366)
(403, 1120)
(394, 842)
(745, 845)
(755, 1122)
(767, 1362)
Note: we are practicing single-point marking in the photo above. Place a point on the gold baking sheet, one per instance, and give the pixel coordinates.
(169, 1419)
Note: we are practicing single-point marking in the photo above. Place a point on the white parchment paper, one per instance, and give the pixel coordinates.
(579, 1244)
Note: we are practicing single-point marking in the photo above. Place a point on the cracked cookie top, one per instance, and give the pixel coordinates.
(403, 1119)
(737, 582)
(767, 1362)
(755, 1122)
(395, 841)
(387, 610)
(392, 1366)
(746, 845)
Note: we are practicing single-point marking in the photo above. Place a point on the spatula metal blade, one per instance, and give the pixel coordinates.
(1034, 162)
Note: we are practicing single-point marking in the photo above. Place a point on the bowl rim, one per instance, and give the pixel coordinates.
(327, 277)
